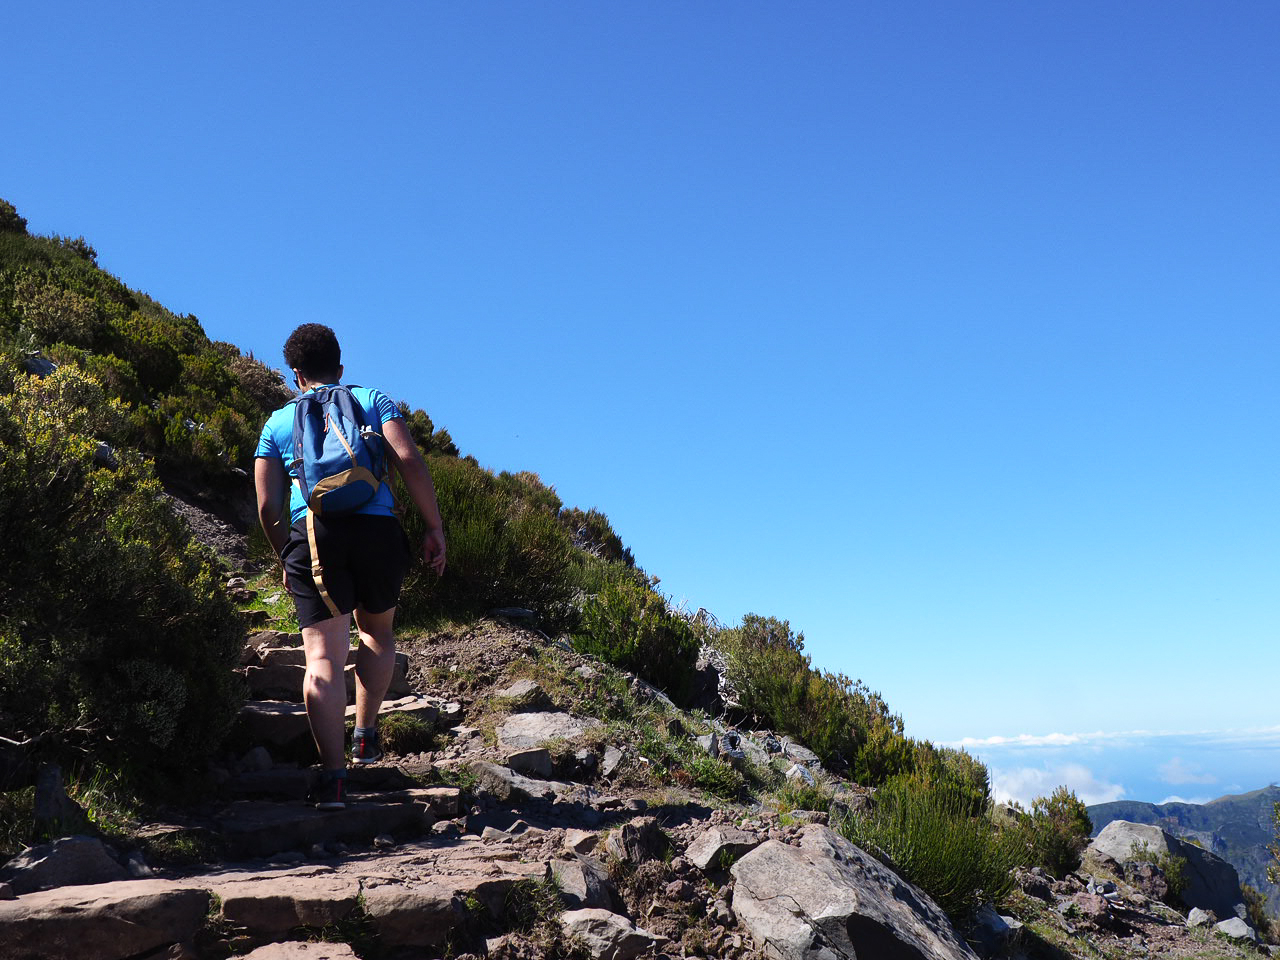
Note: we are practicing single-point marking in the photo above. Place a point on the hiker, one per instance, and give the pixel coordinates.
(341, 560)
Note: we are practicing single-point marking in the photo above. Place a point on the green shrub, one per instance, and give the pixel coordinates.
(632, 627)
(1057, 831)
(798, 795)
(402, 733)
(1273, 868)
(1171, 865)
(925, 833)
(10, 221)
(503, 550)
(847, 725)
(592, 532)
(115, 633)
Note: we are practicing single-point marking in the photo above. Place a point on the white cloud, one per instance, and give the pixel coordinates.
(1264, 737)
(1177, 799)
(1178, 771)
(1025, 784)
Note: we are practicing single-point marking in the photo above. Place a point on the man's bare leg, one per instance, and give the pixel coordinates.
(325, 690)
(375, 664)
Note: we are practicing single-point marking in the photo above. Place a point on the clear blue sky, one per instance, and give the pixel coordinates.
(945, 331)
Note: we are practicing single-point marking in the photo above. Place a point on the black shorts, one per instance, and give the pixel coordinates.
(362, 562)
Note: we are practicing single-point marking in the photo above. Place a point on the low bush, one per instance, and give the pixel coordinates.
(503, 550)
(1056, 832)
(116, 638)
(631, 626)
(925, 832)
(847, 725)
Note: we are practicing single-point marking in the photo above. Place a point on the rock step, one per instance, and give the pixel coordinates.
(282, 723)
(260, 828)
(277, 673)
(415, 897)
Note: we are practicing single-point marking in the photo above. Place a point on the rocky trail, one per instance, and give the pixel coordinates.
(518, 816)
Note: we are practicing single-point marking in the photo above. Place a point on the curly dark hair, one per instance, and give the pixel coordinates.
(312, 349)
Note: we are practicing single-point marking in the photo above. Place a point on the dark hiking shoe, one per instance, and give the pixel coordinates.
(365, 749)
(329, 793)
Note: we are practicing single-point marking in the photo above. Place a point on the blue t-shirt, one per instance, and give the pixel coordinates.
(276, 443)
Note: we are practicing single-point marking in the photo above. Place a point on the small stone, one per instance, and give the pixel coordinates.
(257, 760)
(137, 866)
(318, 852)
(1237, 929)
(6, 892)
(384, 841)
(580, 841)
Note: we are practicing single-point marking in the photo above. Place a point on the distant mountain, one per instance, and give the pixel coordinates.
(1236, 828)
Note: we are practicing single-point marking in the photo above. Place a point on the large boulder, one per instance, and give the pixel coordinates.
(1211, 882)
(70, 860)
(104, 921)
(827, 899)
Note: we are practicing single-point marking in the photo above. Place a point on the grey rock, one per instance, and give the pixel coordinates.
(710, 743)
(56, 814)
(1237, 929)
(1211, 882)
(535, 762)
(635, 842)
(612, 758)
(417, 915)
(526, 731)
(580, 841)
(275, 905)
(505, 785)
(989, 931)
(302, 950)
(828, 899)
(524, 695)
(800, 774)
(256, 760)
(1200, 918)
(583, 883)
(69, 861)
(798, 753)
(608, 936)
(714, 846)
(104, 921)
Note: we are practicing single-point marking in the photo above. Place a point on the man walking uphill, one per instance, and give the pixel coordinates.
(342, 546)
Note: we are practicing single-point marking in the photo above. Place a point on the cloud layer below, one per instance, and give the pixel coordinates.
(1152, 766)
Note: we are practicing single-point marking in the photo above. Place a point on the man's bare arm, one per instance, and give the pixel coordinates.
(272, 486)
(417, 479)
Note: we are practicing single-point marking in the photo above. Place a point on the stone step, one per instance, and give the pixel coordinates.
(414, 896)
(251, 828)
(279, 672)
(283, 724)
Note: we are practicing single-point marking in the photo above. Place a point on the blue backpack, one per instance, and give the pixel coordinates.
(338, 457)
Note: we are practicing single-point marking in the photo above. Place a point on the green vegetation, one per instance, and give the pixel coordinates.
(1172, 866)
(506, 548)
(1057, 831)
(850, 727)
(116, 639)
(1273, 868)
(402, 733)
(933, 838)
(630, 625)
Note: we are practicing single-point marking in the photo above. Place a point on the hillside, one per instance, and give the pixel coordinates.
(563, 742)
(1236, 827)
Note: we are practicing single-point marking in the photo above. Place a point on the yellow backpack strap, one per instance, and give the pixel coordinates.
(317, 571)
